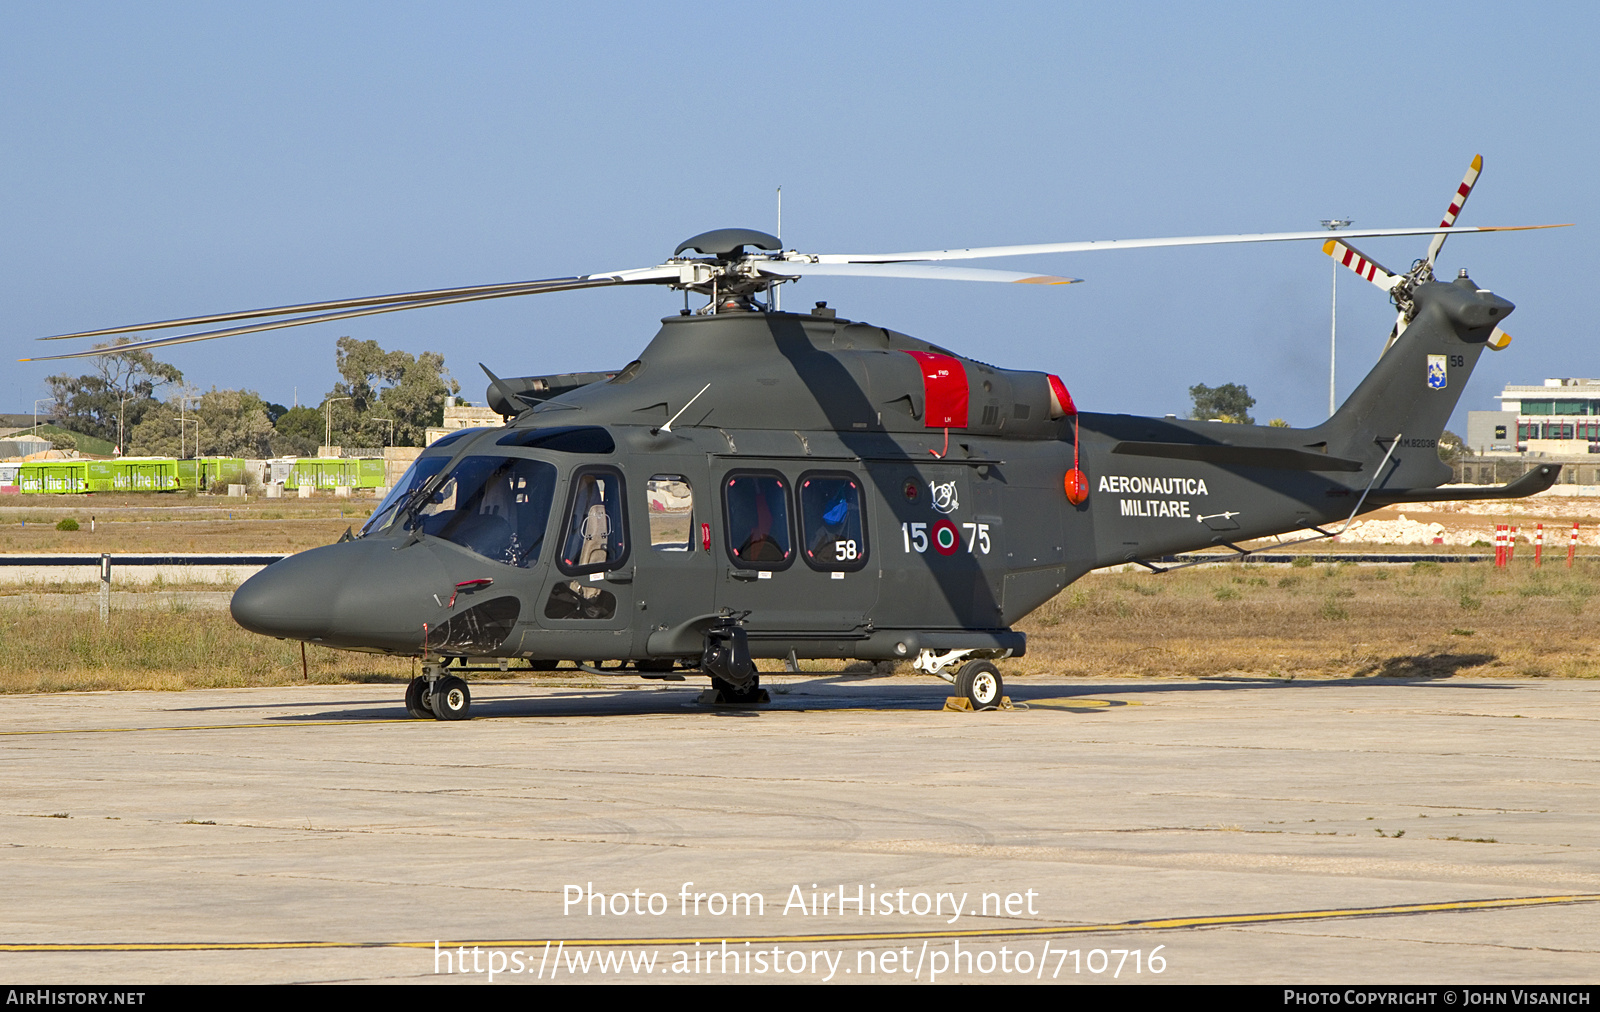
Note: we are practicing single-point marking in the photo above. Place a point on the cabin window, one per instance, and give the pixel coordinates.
(834, 533)
(670, 503)
(757, 505)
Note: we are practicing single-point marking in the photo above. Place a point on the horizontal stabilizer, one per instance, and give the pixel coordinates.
(1535, 481)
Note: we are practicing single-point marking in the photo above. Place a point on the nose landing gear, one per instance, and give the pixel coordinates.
(434, 695)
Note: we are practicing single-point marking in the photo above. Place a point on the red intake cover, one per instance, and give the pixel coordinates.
(944, 386)
(1060, 401)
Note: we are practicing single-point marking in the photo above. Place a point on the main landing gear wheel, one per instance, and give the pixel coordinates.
(418, 700)
(980, 682)
(450, 699)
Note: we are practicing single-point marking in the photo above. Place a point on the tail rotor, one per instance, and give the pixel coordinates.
(1401, 286)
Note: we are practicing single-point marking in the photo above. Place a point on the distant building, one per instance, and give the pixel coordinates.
(461, 416)
(22, 445)
(1560, 418)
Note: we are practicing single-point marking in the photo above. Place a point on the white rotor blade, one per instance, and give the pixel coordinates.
(795, 269)
(979, 252)
(1456, 202)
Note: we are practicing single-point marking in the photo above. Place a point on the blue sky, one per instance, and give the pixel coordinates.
(166, 159)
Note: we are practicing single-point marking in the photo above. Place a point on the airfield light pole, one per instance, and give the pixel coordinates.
(1333, 225)
(327, 418)
(183, 406)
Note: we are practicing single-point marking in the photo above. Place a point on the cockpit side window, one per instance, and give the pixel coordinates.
(596, 534)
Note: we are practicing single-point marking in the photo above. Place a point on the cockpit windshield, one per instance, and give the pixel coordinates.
(497, 507)
(394, 503)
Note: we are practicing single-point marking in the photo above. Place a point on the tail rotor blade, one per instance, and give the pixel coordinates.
(1394, 334)
(1361, 264)
(1457, 201)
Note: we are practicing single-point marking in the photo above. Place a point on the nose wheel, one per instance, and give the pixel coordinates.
(450, 699)
(419, 700)
(440, 697)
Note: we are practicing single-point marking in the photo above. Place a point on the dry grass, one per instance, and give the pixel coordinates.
(165, 648)
(174, 522)
(1421, 621)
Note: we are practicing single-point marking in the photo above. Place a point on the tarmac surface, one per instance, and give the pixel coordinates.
(1333, 832)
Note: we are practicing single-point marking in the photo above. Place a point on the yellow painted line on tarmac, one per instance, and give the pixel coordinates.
(1160, 924)
(1075, 703)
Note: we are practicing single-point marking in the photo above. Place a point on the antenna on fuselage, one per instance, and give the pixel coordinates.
(668, 427)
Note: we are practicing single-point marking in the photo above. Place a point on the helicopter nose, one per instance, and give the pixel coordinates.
(350, 594)
(293, 597)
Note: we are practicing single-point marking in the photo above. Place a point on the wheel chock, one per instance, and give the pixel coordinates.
(961, 704)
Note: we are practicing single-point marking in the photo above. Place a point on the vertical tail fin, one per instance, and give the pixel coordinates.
(1413, 389)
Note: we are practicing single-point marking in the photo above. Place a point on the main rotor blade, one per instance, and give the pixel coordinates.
(1456, 202)
(653, 275)
(979, 252)
(795, 269)
(307, 307)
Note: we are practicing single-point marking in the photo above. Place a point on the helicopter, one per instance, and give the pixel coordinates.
(761, 484)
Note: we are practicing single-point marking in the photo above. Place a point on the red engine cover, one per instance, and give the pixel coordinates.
(944, 388)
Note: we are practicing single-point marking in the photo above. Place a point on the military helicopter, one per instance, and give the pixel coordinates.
(769, 485)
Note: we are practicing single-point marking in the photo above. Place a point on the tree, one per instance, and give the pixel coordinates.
(297, 432)
(1451, 447)
(224, 423)
(115, 396)
(1230, 402)
(393, 396)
